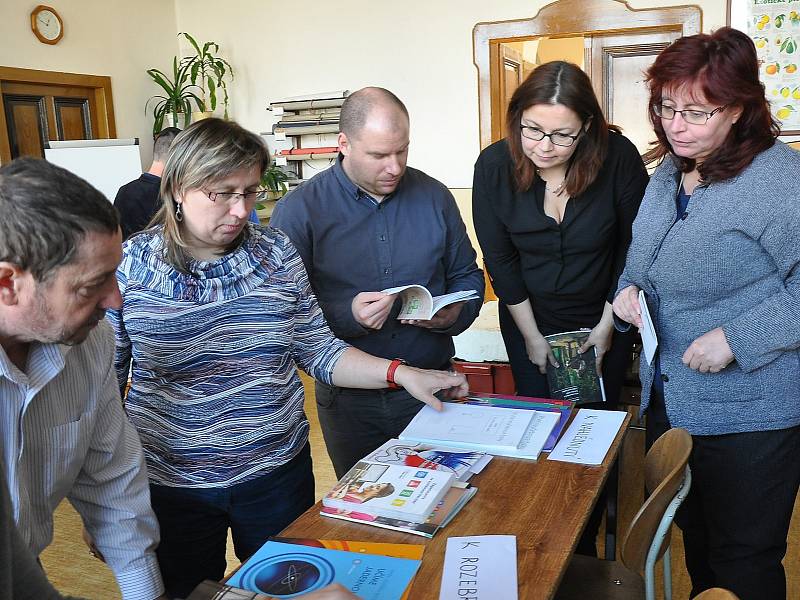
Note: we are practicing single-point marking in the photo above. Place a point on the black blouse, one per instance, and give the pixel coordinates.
(568, 270)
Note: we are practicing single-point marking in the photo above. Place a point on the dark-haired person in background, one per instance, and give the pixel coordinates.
(63, 433)
(715, 250)
(138, 200)
(553, 205)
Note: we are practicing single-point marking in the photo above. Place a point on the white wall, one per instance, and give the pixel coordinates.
(422, 51)
(117, 38)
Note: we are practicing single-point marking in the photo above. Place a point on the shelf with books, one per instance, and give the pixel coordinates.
(305, 124)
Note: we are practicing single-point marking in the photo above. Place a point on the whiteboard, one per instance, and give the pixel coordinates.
(106, 164)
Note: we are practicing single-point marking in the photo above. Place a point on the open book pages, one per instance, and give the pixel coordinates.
(499, 431)
(395, 491)
(576, 377)
(418, 303)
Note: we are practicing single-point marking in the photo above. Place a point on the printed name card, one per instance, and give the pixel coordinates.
(480, 567)
(589, 437)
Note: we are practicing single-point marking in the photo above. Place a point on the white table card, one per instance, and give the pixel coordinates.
(480, 567)
(589, 437)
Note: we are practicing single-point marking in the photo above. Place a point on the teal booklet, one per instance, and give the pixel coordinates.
(287, 570)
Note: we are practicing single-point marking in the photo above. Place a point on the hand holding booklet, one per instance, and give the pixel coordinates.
(418, 303)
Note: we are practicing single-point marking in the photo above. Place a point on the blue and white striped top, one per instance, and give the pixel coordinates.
(214, 391)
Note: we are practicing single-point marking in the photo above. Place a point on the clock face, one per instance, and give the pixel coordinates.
(48, 24)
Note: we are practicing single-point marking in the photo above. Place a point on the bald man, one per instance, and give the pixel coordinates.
(367, 224)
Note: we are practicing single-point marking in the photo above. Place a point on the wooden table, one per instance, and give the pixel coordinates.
(545, 504)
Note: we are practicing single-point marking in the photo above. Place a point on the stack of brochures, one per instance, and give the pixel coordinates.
(407, 486)
(562, 407)
(289, 567)
(515, 432)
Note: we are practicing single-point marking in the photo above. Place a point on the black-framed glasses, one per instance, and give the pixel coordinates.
(559, 139)
(693, 117)
(232, 198)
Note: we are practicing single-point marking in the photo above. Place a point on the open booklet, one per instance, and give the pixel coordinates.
(418, 303)
(576, 377)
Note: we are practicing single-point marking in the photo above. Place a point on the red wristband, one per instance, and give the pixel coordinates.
(390, 373)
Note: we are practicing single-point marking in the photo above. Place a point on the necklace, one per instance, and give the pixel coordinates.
(558, 190)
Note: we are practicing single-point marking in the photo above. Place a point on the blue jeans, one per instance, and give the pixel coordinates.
(194, 522)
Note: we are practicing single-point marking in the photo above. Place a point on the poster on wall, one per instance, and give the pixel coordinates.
(774, 27)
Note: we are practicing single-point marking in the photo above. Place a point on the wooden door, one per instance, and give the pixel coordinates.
(617, 64)
(36, 114)
(40, 106)
(512, 69)
(611, 19)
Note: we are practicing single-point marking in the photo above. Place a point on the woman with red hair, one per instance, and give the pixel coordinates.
(715, 252)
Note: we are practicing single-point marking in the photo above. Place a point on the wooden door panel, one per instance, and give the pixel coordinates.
(26, 119)
(618, 66)
(72, 118)
(67, 106)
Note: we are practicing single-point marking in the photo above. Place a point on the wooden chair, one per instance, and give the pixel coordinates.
(668, 479)
(716, 594)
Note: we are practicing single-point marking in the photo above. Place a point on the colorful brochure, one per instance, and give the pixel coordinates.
(461, 463)
(287, 570)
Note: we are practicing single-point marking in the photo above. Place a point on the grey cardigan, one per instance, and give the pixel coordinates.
(732, 261)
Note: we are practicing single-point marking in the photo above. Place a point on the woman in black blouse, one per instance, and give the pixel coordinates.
(553, 205)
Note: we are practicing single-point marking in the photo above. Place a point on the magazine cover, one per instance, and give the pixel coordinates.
(287, 570)
(399, 492)
(576, 377)
(462, 463)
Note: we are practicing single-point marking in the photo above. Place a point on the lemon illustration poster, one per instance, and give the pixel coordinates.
(774, 26)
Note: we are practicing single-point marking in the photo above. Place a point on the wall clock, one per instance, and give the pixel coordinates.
(47, 24)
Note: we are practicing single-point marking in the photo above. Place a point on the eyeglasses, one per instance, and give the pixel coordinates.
(693, 117)
(232, 198)
(558, 138)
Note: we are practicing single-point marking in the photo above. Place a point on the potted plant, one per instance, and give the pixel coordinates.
(274, 182)
(211, 71)
(177, 99)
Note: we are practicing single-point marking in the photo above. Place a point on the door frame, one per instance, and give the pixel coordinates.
(562, 18)
(101, 84)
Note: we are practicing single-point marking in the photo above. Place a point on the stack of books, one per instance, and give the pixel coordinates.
(310, 115)
(413, 487)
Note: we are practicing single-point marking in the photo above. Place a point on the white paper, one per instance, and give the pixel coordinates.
(480, 425)
(648, 331)
(480, 567)
(588, 437)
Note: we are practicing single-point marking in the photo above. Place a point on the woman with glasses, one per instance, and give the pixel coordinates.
(553, 204)
(216, 314)
(715, 252)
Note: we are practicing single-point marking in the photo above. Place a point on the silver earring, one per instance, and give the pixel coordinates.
(179, 214)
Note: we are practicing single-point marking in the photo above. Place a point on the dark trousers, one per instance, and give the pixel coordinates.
(530, 382)
(736, 517)
(194, 522)
(355, 422)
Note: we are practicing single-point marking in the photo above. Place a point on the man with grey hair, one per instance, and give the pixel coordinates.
(64, 432)
(367, 224)
(139, 200)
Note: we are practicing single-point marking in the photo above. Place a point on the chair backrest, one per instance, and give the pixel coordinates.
(717, 594)
(665, 471)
